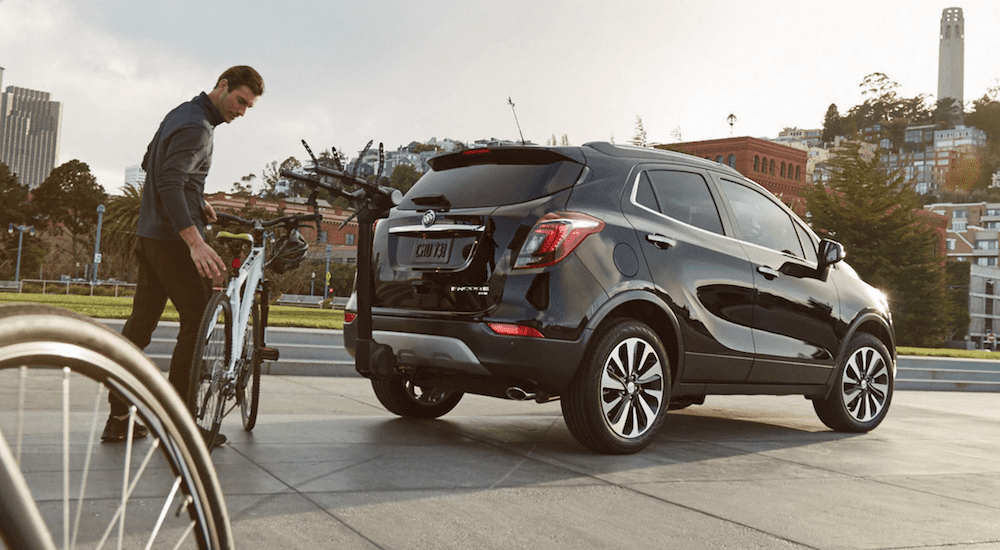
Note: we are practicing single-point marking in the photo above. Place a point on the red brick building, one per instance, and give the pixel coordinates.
(343, 242)
(779, 168)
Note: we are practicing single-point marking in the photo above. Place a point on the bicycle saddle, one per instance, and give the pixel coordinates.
(226, 235)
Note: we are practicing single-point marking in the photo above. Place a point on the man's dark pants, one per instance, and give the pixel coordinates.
(166, 270)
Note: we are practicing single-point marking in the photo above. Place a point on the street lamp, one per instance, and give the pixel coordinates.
(97, 243)
(20, 240)
(312, 286)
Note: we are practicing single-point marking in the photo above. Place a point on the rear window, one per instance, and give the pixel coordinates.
(478, 178)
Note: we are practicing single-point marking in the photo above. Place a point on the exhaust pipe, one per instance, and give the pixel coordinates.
(518, 394)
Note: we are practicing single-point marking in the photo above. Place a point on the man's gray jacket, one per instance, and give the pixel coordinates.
(176, 165)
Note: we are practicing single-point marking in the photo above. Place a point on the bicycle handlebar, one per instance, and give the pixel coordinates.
(292, 219)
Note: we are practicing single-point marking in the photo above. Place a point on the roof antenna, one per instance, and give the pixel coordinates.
(509, 100)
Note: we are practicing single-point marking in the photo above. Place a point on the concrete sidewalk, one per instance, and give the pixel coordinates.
(328, 467)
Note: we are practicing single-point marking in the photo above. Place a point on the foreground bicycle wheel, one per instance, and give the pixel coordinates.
(248, 388)
(212, 351)
(57, 482)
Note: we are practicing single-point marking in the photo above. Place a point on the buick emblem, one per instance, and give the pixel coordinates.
(429, 218)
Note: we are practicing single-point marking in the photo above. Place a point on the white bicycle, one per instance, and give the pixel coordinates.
(230, 347)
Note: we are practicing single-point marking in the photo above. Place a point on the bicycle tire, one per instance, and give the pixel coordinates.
(212, 352)
(248, 390)
(43, 347)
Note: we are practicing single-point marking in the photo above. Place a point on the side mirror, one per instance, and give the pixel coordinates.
(830, 252)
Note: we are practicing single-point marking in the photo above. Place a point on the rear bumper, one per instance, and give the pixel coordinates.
(471, 350)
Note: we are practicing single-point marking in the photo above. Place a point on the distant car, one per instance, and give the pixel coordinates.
(623, 281)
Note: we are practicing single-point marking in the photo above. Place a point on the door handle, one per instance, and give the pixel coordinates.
(767, 272)
(661, 242)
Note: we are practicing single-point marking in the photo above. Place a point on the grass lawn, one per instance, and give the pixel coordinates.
(109, 307)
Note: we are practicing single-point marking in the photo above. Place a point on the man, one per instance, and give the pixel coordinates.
(174, 259)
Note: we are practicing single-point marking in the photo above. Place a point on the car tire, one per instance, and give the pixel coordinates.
(619, 398)
(863, 387)
(401, 396)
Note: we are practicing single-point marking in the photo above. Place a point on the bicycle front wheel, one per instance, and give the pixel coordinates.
(248, 389)
(60, 485)
(212, 352)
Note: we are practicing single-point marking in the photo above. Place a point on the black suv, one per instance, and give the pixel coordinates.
(623, 281)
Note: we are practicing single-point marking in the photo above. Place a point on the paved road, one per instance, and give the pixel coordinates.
(327, 467)
(308, 352)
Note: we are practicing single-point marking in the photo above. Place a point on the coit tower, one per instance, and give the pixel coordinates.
(951, 59)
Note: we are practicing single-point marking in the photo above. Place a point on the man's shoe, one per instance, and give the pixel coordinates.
(218, 440)
(117, 430)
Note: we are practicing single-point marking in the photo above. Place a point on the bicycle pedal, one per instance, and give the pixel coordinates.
(269, 354)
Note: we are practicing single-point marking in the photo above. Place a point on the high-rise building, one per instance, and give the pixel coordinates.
(135, 175)
(30, 123)
(951, 56)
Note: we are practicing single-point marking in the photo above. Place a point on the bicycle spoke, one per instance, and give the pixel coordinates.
(144, 491)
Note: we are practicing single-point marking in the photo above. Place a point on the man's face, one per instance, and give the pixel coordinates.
(233, 103)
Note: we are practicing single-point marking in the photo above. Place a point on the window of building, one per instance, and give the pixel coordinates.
(989, 287)
(988, 309)
(960, 214)
(986, 262)
(349, 239)
(771, 167)
(731, 161)
(950, 244)
(988, 325)
(756, 163)
(782, 169)
(798, 173)
(959, 226)
(322, 237)
(987, 244)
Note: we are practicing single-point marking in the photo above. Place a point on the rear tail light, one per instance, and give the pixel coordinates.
(349, 317)
(554, 236)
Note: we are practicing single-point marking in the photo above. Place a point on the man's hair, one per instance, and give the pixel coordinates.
(243, 75)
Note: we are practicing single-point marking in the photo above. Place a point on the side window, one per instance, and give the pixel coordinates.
(761, 220)
(807, 244)
(684, 196)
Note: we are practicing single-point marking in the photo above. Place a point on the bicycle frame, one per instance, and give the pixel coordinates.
(241, 289)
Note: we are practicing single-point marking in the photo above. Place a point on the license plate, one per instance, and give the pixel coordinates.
(432, 252)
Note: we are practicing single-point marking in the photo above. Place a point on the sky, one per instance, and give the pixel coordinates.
(340, 73)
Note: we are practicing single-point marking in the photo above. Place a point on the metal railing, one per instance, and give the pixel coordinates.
(77, 287)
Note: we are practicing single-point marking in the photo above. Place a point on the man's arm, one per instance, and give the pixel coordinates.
(209, 263)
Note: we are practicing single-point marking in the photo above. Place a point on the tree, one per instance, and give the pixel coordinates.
(15, 209)
(404, 176)
(876, 217)
(639, 139)
(883, 107)
(957, 281)
(68, 200)
(985, 115)
(118, 234)
(833, 124)
(272, 175)
(244, 187)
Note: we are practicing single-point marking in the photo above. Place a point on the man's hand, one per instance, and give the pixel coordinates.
(208, 263)
(210, 215)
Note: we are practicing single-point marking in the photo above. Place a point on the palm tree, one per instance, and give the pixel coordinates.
(120, 221)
